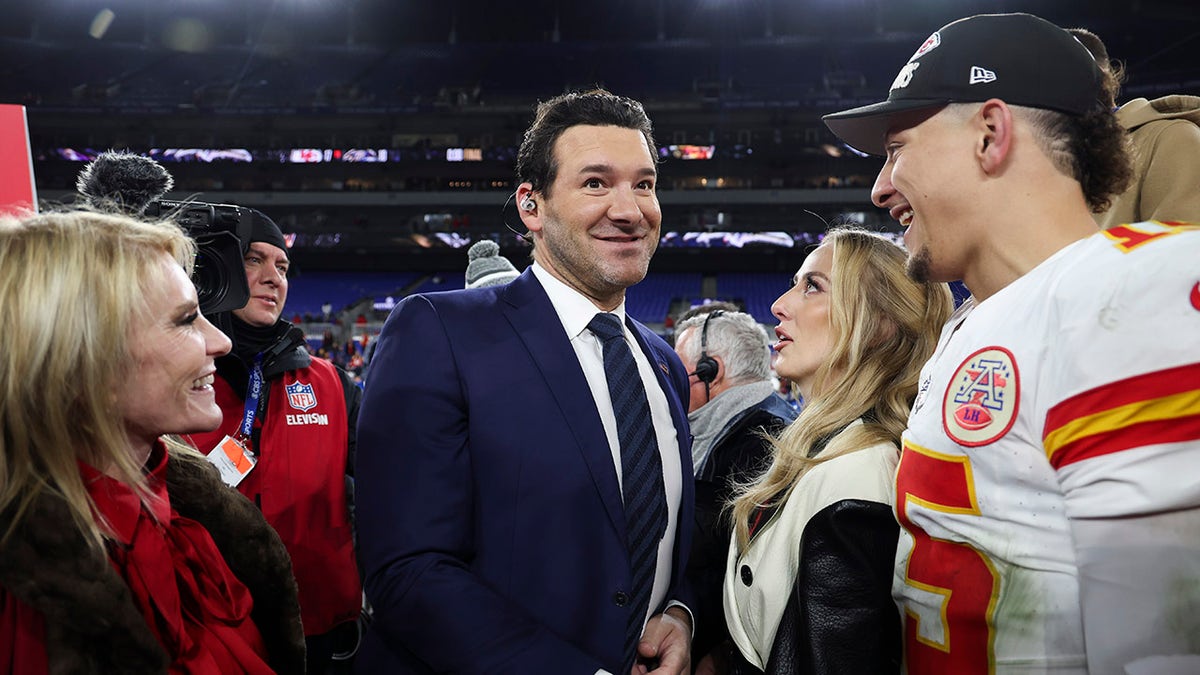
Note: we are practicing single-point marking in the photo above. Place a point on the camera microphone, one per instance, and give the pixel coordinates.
(134, 185)
(123, 181)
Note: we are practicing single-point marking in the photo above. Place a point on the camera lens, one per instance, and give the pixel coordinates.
(218, 273)
(211, 280)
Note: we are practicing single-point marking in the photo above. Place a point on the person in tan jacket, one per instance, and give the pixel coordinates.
(1165, 135)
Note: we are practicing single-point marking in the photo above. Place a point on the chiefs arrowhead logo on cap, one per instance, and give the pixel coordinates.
(930, 43)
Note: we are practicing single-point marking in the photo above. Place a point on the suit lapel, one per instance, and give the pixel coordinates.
(528, 309)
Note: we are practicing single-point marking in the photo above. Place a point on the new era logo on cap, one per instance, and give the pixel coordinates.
(980, 75)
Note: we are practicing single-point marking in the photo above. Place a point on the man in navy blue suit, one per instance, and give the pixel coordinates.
(503, 526)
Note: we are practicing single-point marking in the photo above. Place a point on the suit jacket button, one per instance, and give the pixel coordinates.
(747, 575)
(620, 598)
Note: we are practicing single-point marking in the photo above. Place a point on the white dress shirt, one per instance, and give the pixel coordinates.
(575, 311)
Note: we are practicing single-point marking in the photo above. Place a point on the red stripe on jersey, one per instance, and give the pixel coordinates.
(1174, 430)
(1144, 387)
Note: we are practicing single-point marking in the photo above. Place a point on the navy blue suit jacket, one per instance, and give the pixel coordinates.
(490, 521)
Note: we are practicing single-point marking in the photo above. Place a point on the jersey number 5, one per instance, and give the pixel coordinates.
(955, 583)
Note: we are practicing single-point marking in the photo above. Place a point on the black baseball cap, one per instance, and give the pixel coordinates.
(1020, 59)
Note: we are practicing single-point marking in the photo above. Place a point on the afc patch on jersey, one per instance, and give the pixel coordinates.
(301, 396)
(981, 401)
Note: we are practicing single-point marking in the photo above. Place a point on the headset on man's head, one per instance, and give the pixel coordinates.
(706, 366)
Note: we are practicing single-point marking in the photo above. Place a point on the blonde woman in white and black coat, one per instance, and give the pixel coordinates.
(808, 582)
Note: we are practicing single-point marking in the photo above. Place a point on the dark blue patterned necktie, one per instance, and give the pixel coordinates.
(641, 471)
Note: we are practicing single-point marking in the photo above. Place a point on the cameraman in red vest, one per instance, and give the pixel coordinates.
(286, 441)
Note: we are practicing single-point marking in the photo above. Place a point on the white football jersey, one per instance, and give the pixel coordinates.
(1049, 482)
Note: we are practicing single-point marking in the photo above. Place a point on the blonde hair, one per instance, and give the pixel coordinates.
(884, 326)
(71, 284)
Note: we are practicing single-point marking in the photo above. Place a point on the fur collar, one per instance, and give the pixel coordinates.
(92, 625)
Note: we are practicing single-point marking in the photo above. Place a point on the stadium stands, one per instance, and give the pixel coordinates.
(650, 300)
(756, 290)
(307, 293)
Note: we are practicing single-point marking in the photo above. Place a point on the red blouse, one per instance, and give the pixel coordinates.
(192, 602)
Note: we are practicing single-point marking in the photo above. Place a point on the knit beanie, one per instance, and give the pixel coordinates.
(265, 230)
(486, 267)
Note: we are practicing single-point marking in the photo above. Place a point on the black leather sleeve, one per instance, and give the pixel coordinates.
(841, 617)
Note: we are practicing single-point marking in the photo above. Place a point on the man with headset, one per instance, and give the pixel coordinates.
(732, 402)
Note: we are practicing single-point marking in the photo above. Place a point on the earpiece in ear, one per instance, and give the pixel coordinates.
(528, 204)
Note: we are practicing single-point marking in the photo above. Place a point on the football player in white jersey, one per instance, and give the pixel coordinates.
(1049, 481)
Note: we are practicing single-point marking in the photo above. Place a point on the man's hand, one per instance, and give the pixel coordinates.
(667, 640)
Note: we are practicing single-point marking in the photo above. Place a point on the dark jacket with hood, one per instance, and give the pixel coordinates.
(739, 454)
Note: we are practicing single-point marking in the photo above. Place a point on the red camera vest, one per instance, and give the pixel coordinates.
(300, 486)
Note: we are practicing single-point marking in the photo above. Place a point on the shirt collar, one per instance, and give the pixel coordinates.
(574, 309)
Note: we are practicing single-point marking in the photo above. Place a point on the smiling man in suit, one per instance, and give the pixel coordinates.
(524, 470)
